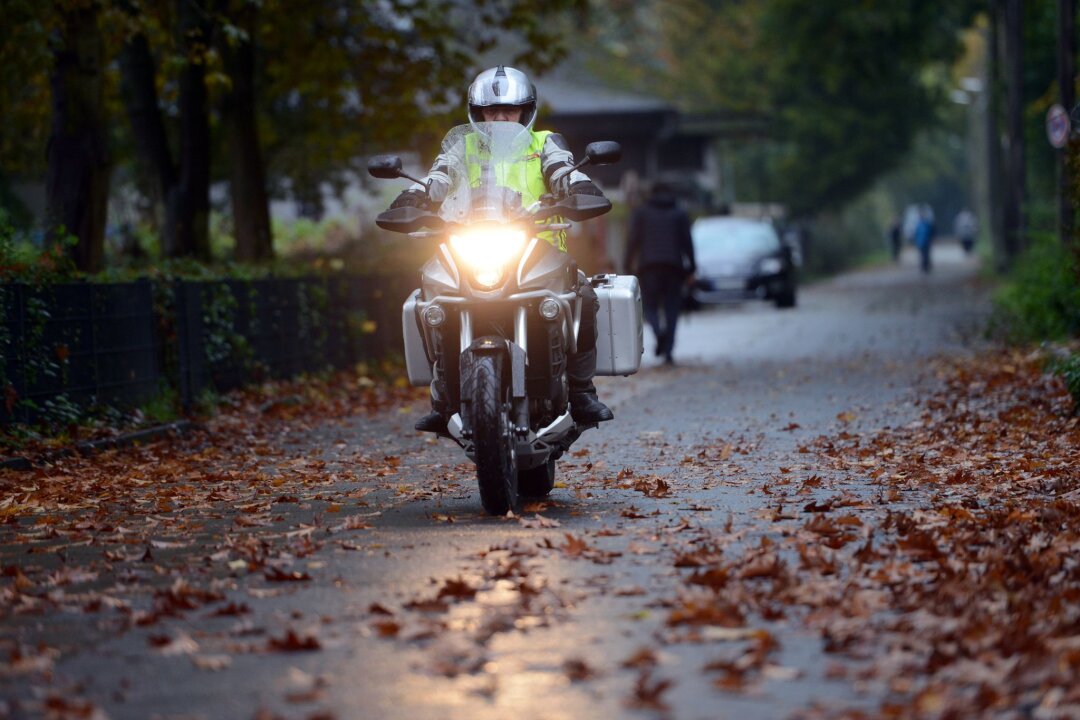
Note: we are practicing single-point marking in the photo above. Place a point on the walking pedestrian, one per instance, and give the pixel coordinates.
(965, 227)
(896, 239)
(924, 236)
(660, 252)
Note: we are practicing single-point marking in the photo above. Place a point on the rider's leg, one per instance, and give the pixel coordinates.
(436, 420)
(672, 300)
(585, 407)
(650, 302)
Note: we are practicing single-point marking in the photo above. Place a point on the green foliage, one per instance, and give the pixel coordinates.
(1041, 300)
(224, 346)
(164, 407)
(1040, 92)
(840, 241)
(59, 412)
(659, 47)
(313, 301)
(36, 359)
(934, 172)
(13, 212)
(854, 84)
(304, 236)
(32, 360)
(345, 78)
(25, 61)
(23, 261)
(207, 402)
(1067, 368)
(333, 82)
(841, 88)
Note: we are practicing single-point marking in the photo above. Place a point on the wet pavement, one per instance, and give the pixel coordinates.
(426, 608)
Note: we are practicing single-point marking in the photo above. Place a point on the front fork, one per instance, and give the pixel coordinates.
(515, 359)
(521, 328)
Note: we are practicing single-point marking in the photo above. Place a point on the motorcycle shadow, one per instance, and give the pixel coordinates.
(462, 510)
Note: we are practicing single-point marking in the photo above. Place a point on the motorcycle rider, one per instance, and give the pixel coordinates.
(503, 94)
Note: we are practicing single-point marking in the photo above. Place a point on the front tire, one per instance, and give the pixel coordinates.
(496, 462)
(537, 481)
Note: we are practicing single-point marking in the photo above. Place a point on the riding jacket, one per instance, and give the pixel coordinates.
(547, 168)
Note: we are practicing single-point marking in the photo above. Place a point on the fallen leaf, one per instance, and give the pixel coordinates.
(276, 574)
(211, 663)
(643, 658)
(293, 642)
(648, 692)
(578, 670)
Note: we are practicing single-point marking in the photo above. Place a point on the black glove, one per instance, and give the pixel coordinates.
(411, 198)
(586, 187)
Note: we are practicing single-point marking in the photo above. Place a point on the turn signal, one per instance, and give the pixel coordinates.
(434, 315)
(549, 309)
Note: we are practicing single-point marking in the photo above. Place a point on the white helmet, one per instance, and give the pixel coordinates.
(502, 86)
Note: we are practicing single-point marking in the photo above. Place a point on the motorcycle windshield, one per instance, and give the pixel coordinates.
(485, 163)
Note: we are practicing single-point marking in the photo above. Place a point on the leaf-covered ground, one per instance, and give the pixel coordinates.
(935, 563)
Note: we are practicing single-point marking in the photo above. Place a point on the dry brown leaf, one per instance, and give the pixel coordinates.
(293, 642)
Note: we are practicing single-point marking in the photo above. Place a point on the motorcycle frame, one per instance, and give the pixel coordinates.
(533, 446)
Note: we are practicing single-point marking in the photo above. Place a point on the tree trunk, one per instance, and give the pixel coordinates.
(251, 208)
(77, 184)
(996, 205)
(1015, 178)
(193, 189)
(139, 91)
(1066, 80)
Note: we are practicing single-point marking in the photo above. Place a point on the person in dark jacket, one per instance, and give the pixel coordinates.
(659, 251)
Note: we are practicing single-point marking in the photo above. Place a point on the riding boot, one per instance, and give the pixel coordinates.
(436, 421)
(585, 407)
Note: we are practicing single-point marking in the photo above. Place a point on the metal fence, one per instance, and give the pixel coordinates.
(68, 347)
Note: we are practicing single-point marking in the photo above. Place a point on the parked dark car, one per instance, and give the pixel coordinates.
(741, 259)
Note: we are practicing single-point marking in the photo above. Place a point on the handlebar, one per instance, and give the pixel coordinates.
(577, 208)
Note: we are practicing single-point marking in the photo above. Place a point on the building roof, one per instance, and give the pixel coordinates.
(565, 97)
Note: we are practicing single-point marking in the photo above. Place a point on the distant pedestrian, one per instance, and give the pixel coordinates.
(924, 237)
(965, 227)
(896, 233)
(660, 252)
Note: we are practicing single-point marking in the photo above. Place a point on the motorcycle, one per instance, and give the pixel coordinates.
(498, 310)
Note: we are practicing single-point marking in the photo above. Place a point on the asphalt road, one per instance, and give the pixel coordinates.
(429, 609)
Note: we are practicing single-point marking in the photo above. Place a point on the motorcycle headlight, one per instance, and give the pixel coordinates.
(771, 266)
(487, 252)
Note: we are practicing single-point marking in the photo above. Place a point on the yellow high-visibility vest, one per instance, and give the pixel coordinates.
(525, 177)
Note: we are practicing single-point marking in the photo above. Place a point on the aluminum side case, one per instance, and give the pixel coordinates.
(619, 335)
(416, 359)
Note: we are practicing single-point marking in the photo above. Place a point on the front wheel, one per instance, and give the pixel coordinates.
(496, 463)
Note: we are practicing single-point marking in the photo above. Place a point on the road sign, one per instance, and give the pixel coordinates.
(1057, 126)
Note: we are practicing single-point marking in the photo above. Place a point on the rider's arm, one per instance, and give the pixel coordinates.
(436, 183)
(556, 162)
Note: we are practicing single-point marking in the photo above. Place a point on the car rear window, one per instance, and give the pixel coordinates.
(735, 237)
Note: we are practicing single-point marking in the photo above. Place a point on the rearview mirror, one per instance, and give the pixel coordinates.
(385, 167)
(603, 152)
